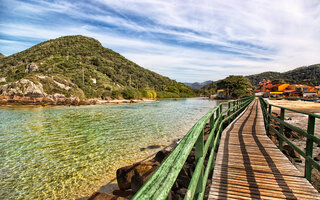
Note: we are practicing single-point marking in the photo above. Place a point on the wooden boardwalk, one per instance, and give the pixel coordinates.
(250, 166)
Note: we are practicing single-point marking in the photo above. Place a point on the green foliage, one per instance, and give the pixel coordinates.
(236, 86)
(302, 75)
(164, 94)
(128, 94)
(278, 81)
(116, 94)
(81, 59)
(208, 89)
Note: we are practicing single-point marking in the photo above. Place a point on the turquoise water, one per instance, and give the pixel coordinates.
(69, 152)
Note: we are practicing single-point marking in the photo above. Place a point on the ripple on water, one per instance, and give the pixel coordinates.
(69, 152)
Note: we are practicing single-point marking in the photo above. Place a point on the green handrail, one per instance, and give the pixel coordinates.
(309, 134)
(159, 184)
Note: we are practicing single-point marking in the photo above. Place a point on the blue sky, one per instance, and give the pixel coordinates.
(186, 40)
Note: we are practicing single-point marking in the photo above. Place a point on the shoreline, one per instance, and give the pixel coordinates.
(77, 103)
(82, 102)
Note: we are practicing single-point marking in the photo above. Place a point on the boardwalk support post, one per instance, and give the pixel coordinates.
(229, 106)
(268, 121)
(309, 148)
(281, 129)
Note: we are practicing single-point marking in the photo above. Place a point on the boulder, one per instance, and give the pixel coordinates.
(32, 67)
(291, 134)
(23, 87)
(161, 155)
(2, 79)
(173, 196)
(125, 174)
(317, 158)
(104, 196)
(289, 151)
(122, 193)
(141, 174)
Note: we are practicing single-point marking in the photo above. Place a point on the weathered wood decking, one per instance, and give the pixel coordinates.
(250, 166)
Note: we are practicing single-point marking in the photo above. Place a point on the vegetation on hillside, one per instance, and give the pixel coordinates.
(303, 75)
(88, 68)
(234, 86)
(2, 56)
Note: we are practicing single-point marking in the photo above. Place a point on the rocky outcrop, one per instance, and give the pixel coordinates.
(23, 87)
(32, 67)
(26, 91)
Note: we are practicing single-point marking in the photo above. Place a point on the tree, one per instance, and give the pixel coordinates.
(236, 86)
(278, 81)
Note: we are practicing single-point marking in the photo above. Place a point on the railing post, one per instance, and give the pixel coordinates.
(281, 129)
(237, 107)
(309, 148)
(211, 121)
(233, 105)
(268, 121)
(229, 106)
(217, 114)
(199, 153)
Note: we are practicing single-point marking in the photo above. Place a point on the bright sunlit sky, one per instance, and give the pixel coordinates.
(186, 40)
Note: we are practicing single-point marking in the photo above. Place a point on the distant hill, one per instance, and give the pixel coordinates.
(2, 56)
(198, 85)
(303, 75)
(80, 66)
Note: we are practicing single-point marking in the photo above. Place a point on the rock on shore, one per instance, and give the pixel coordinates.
(131, 178)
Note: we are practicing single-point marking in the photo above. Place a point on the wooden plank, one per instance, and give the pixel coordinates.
(250, 166)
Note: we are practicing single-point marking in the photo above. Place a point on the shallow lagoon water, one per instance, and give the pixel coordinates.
(69, 152)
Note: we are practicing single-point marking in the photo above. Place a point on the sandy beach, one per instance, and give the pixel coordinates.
(298, 105)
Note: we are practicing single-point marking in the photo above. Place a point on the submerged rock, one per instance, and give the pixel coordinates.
(153, 147)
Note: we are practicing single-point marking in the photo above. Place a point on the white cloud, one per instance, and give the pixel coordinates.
(285, 33)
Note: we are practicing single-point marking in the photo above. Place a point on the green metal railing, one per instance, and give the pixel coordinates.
(309, 134)
(160, 183)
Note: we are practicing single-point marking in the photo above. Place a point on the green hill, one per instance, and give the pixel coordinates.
(303, 75)
(82, 67)
(309, 75)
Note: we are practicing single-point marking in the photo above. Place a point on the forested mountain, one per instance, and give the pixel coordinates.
(198, 85)
(81, 66)
(303, 75)
(309, 75)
